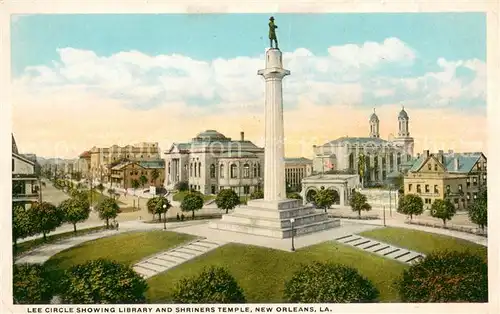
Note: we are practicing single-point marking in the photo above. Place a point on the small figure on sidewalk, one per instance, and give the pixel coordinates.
(182, 217)
(178, 217)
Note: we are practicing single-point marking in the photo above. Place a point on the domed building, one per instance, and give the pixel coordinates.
(382, 157)
(212, 161)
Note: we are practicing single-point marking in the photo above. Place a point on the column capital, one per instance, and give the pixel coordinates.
(273, 73)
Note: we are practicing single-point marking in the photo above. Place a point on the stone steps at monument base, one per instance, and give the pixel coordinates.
(275, 232)
(380, 248)
(163, 261)
(273, 213)
(238, 218)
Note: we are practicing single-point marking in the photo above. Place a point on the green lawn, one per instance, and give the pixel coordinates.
(97, 197)
(423, 242)
(29, 245)
(179, 196)
(262, 272)
(126, 248)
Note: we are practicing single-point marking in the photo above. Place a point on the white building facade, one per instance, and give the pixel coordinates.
(381, 156)
(212, 161)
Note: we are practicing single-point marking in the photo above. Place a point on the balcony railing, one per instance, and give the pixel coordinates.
(24, 196)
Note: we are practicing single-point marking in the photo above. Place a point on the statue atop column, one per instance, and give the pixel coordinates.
(272, 33)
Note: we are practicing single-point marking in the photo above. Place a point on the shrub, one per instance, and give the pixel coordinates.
(31, 284)
(257, 194)
(446, 276)
(213, 285)
(294, 195)
(102, 282)
(359, 202)
(182, 186)
(227, 199)
(329, 283)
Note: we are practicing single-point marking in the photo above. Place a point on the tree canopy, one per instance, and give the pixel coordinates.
(478, 210)
(45, 217)
(227, 199)
(108, 209)
(359, 202)
(75, 210)
(411, 205)
(31, 284)
(443, 209)
(192, 202)
(325, 198)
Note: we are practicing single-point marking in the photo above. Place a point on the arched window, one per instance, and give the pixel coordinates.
(398, 162)
(246, 171)
(195, 168)
(255, 171)
(199, 169)
(212, 171)
(221, 171)
(234, 171)
(258, 170)
(191, 169)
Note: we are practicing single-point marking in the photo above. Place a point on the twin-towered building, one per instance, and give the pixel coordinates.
(382, 157)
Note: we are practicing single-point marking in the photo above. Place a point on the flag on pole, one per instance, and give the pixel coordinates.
(329, 165)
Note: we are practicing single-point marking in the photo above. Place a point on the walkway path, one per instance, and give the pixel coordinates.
(381, 248)
(158, 263)
(399, 224)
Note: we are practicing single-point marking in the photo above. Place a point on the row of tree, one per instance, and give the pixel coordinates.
(440, 277)
(413, 205)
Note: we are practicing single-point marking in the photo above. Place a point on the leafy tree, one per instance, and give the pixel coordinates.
(31, 284)
(478, 211)
(135, 185)
(358, 203)
(151, 205)
(212, 285)
(227, 199)
(329, 283)
(443, 209)
(100, 187)
(447, 276)
(21, 224)
(143, 180)
(103, 282)
(411, 205)
(75, 210)
(108, 209)
(162, 206)
(192, 202)
(182, 186)
(257, 194)
(155, 174)
(294, 195)
(325, 198)
(45, 217)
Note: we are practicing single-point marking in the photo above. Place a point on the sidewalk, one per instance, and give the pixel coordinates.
(394, 223)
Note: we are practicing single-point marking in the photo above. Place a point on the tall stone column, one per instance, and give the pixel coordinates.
(274, 172)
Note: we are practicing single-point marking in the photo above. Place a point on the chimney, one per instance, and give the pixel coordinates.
(242, 134)
(457, 164)
(426, 153)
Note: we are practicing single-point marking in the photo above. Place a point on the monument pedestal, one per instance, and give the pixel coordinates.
(272, 219)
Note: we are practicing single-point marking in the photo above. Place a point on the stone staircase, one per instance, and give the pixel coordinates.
(158, 263)
(381, 248)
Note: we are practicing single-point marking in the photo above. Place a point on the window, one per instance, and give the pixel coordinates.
(427, 190)
(212, 171)
(131, 173)
(455, 200)
(246, 171)
(459, 188)
(191, 169)
(447, 189)
(474, 181)
(399, 159)
(429, 166)
(479, 166)
(435, 167)
(484, 177)
(13, 164)
(246, 190)
(195, 169)
(234, 171)
(484, 166)
(221, 171)
(436, 190)
(409, 187)
(199, 169)
(258, 170)
(468, 195)
(475, 195)
(418, 188)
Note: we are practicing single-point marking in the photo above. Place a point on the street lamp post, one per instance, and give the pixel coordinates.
(292, 221)
(384, 216)
(164, 217)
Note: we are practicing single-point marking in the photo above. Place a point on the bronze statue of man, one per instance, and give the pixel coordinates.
(272, 32)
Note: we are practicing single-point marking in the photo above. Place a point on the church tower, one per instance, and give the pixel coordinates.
(404, 140)
(374, 125)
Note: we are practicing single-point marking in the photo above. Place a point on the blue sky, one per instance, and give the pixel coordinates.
(209, 36)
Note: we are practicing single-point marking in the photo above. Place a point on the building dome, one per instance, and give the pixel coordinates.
(14, 145)
(403, 114)
(210, 135)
